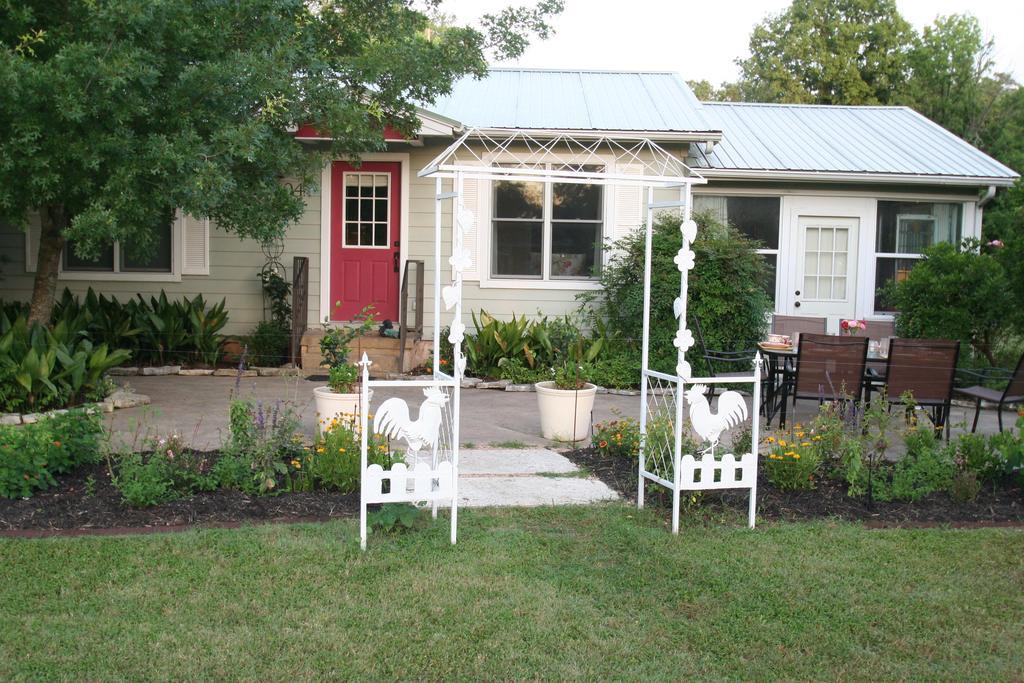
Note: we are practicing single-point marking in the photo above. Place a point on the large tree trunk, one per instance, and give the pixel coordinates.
(51, 243)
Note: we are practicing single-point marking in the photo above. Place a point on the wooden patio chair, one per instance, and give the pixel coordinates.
(795, 325)
(925, 368)
(1013, 393)
(828, 368)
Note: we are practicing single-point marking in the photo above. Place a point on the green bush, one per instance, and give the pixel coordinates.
(618, 438)
(956, 293)
(263, 440)
(267, 344)
(30, 455)
(727, 290)
(616, 370)
(169, 471)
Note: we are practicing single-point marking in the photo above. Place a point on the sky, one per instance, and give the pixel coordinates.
(701, 40)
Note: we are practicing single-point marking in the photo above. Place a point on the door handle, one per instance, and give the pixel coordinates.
(395, 254)
(796, 304)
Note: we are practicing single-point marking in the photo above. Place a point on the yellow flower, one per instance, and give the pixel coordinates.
(796, 456)
(320, 450)
(341, 450)
(805, 444)
(800, 435)
(770, 439)
(296, 464)
(782, 443)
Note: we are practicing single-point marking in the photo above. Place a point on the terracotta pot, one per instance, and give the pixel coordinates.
(330, 405)
(565, 413)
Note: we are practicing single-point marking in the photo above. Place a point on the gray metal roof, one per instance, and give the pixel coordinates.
(816, 139)
(576, 100)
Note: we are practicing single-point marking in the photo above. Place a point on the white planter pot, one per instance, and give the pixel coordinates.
(330, 405)
(565, 413)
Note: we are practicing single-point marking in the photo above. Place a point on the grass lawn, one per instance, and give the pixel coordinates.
(581, 593)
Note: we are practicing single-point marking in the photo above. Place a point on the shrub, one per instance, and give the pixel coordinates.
(30, 455)
(267, 344)
(792, 462)
(516, 371)
(169, 471)
(955, 293)
(727, 290)
(618, 370)
(336, 455)
(263, 440)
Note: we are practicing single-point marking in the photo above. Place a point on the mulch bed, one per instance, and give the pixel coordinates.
(828, 499)
(71, 509)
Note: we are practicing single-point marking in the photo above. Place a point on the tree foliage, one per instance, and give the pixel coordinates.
(116, 112)
(829, 52)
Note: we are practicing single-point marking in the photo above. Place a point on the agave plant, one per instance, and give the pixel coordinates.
(163, 325)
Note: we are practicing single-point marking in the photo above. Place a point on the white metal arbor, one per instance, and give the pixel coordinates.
(517, 156)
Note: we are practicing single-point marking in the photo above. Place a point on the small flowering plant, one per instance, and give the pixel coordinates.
(791, 461)
(619, 438)
(853, 326)
(333, 460)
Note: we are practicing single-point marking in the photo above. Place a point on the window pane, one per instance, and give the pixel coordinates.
(573, 201)
(155, 259)
(575, 249)
(105, 261)
(755, 217)
(912, 227)
(517, 248)
(888, 270)
(518, 200)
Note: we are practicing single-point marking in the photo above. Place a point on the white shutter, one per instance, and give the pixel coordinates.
(629, 211)
(195, 245)
(32, 233)
(471, 237)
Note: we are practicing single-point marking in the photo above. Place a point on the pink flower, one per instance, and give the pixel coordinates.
(170, 454)
(997, 244)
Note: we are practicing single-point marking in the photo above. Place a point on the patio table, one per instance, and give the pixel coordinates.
(781, 367)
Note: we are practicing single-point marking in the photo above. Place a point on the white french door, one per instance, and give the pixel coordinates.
(826, 267)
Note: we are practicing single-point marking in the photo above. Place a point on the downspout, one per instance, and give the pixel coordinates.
(990, 194)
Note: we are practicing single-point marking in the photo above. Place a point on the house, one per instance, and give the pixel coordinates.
(842, 198)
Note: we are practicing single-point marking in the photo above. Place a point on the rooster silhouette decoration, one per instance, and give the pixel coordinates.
(392, 420)
(732, 410)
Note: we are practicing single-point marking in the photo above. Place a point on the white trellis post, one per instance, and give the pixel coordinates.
(644, 349)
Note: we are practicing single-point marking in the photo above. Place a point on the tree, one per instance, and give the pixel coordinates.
(951, 69)
(829, 52)
(115, 113)
(726, 92)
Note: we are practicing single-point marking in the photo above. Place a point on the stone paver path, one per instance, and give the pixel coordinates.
(524, 478)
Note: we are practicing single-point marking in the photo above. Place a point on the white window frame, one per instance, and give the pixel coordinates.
(118, 275)
(345, 219)
(545, 281)
(966, 230)
(708, 191)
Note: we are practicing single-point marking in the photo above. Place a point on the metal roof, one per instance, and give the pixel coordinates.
(889, 142)
(542, 99)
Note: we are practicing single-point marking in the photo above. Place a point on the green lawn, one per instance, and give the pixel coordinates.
(579, 593)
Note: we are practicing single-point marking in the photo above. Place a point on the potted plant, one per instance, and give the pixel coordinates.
(341, 395)
(566, 403)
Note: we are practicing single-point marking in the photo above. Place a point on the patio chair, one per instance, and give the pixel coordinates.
(1013, 393)
(924, 368)
(795, 325)
(715, 359)
(828, 368)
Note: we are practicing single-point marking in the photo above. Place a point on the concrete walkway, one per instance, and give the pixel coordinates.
(525, 478)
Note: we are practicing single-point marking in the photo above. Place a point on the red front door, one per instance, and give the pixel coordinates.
(365, 210)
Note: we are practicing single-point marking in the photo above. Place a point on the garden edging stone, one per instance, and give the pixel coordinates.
(161, 370)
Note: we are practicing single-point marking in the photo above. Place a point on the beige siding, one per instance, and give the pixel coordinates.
(234, 272)
(235, 265)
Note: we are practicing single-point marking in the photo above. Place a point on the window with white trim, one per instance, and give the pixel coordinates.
(123, 258)
(755, 217)
(904, 231)
(547, 230)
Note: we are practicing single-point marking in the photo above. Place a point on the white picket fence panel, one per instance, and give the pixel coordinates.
(419, 484)
(711, 473)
